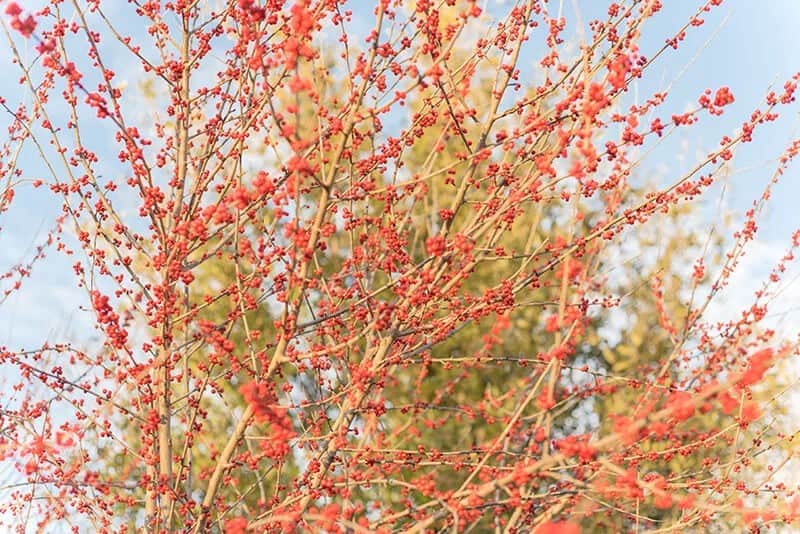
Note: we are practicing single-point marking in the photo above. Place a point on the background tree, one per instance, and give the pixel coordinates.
(374, 287)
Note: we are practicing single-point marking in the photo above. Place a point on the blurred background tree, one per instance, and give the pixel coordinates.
(646, 280)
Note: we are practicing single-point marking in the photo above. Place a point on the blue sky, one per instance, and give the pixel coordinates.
(744, 44)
